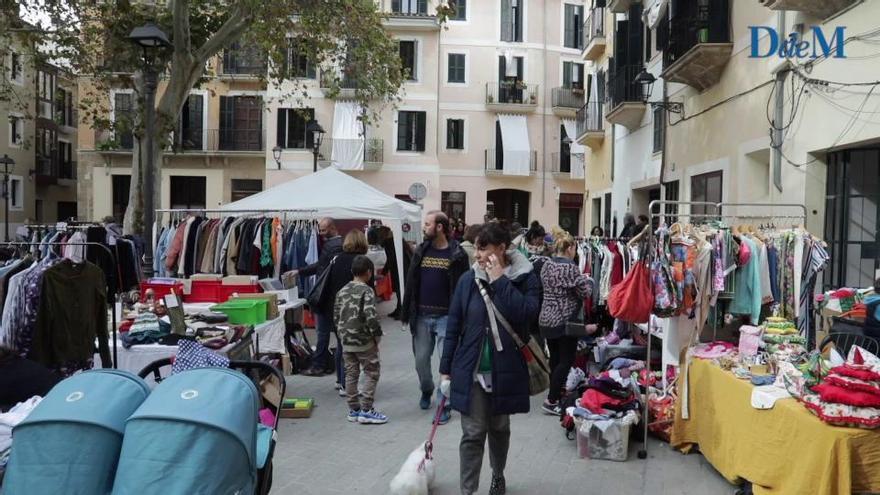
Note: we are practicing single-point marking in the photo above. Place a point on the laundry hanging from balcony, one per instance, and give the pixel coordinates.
(576, 149)
(654, 12)
(348, 143)
(515, 144)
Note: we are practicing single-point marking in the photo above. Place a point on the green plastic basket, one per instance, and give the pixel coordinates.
(243, 311)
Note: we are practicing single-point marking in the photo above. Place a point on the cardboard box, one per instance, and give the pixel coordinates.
(240, 280)
(271, 389)
(271, 303)
(288, 295)
(213, 277)
(297, 407)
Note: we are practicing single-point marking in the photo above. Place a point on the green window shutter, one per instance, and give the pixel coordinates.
(420, 130)
(281, 128)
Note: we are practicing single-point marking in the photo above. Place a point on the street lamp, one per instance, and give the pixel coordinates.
(276, 153)
(7, 162)
(646, 80)
(317, 137)
(150, 38)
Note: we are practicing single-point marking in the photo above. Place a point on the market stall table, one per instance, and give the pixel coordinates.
(781, 450)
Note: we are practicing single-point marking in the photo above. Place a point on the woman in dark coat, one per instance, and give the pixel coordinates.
(489, 378)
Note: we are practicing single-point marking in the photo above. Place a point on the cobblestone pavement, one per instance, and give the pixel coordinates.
(325, 454)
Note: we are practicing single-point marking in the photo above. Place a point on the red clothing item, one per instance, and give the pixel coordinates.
(175, 247)
(616, 264)
(595, 401)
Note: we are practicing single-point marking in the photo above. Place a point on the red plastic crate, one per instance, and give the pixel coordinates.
(160, 290)
(204, 291)
(224, 292)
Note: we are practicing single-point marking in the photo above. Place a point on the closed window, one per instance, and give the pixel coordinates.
(15, 71)
(46, 94)
(292, 124)
(412, 7)
(411, 131)
(242, 188)
(659, 128)
(671, 194)
(188, 192)
(706, 188)
(241, 123)
(455, 134)
(456, 68)
(574, 25)
(408, 59)
(460, 7)
(16, 193)
(16, 130)
(573, 75)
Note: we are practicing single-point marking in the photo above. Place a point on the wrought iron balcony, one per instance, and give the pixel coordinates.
(590, 124)
(594, 34)
(566, 101)
(494, 160)
(563, 163)
(699, 45)
(625, 97)
(512, 95)
(374, 151)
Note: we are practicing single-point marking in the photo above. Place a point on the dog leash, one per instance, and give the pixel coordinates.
(429, 445)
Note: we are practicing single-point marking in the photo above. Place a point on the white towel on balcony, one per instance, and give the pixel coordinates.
(515, 141)
(347, 145)
(577, 150)
(654, 12)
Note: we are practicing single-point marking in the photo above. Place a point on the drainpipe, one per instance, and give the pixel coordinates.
(437, 116)
(779, 112)
(544, 112)
(665, 142)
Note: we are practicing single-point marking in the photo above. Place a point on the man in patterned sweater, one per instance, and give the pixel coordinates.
(357, 322)
(433, 274)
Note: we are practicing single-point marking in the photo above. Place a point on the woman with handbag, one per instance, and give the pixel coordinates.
(565, 289)
(483, 353)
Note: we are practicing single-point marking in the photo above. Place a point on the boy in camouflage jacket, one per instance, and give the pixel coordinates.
(357, 322)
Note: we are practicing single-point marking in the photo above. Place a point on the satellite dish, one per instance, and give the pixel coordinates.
(418, 191)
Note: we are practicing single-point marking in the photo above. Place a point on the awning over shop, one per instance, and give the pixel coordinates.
(347, 151)
(515, 141)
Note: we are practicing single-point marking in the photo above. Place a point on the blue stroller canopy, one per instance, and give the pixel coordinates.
(196, 433)
(70, 443)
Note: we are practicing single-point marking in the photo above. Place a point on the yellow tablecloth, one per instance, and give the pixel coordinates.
(784, 450)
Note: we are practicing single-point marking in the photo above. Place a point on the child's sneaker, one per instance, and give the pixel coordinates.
(372, 417)
(354, 416)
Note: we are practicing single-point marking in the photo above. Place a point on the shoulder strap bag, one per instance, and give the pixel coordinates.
(320, 291)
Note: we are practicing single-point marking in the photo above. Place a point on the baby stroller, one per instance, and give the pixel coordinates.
(70, 443)
(198, 433)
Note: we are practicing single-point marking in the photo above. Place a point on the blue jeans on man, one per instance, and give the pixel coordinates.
(430, 332)
(324, 328)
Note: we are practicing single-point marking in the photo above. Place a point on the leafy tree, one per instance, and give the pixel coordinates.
(89, 38)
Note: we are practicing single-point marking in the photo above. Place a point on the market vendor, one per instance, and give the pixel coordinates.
(872, 312)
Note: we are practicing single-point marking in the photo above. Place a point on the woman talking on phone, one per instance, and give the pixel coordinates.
(482, 371)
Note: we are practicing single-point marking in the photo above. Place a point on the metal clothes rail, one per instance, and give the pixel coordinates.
(112, 302)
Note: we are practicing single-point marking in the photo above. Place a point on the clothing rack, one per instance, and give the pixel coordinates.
(115, 263)
(718, 207)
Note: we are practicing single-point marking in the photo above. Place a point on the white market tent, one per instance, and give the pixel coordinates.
(335, 194)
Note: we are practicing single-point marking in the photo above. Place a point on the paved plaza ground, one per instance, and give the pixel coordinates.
(325, 454)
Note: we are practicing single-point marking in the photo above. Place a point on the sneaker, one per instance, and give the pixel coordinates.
(499, 486)
(312, 372)
(551, 408)
(354, 416)
(444, 416)
(372, 417)
(425, 401)
(342, 392)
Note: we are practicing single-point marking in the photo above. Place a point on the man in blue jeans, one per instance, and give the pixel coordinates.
(324, 323)
(434, 271)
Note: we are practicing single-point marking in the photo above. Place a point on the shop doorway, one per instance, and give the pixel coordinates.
(570, 212)
(509, 204)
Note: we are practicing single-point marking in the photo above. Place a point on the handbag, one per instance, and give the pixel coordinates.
(320, 291)
(533, 355)
(631, 300)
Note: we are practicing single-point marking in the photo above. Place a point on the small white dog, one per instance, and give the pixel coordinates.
(415, 477)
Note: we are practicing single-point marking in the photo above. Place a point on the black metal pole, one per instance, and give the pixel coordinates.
(150, 84)
(6, 203)
(315, 161)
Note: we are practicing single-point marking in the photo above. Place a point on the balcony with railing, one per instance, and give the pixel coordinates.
(374, 151)
(494, 161)
(566, 101)
(208, 141)
(50, 171)
(334, 86)
(512, 96)
(563, 163)
(590, 124)
(594, 34)
(411, 15)
(626, 103)
(241, 62)
(818, 9)
(699, 45)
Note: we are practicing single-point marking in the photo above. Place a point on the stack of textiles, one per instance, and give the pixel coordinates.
(849, 395)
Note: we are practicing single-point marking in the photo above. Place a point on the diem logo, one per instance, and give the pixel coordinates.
(795, 46)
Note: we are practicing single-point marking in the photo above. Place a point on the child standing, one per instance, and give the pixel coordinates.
(357, 322)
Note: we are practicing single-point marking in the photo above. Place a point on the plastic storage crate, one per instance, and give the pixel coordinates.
(202, 291)
(606, 439)
(243, 311)
(225, 292)
(161, 288)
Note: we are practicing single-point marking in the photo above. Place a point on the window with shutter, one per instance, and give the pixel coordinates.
(456, 63)
(407, 49)
(123, 120)
(460, 7)
(569, 41)
(659, 128)
(297, 64)
(506, 21)
(421, 125)
(455, 134)
(411, 131)
(190, 125)
(292, 123)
